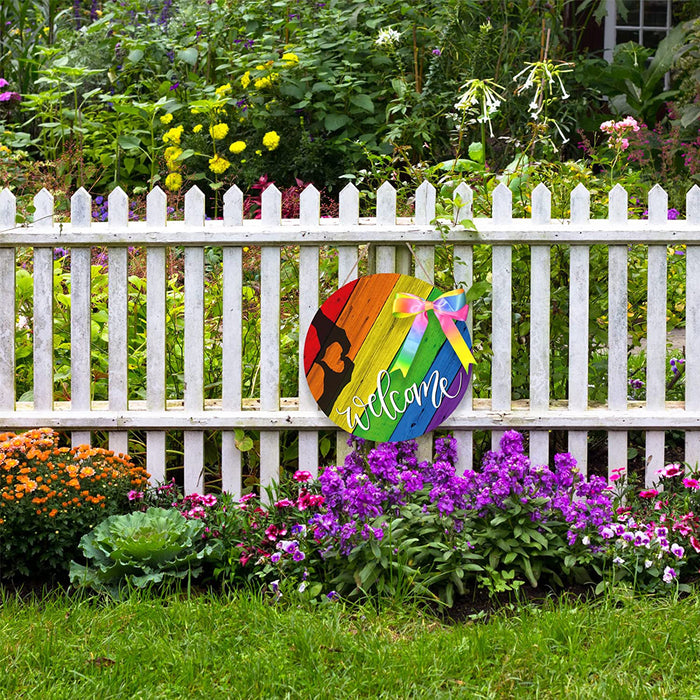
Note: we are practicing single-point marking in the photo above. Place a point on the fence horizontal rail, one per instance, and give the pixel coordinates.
(636, 416)
(330, 233)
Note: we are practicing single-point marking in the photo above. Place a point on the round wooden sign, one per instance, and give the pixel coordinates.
(388, 357)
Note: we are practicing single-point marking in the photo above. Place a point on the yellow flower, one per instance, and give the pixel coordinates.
(172, 153)
(266, 81)
(173, 182)
(223, 89)
(271, 140)
(245, 79)
(166, 118)
(290, 58)
(173, 135)
(258, 152)
(218, 131)
(237, 147)
(218, 165)
(196, 128)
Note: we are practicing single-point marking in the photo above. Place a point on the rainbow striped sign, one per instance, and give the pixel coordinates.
(380, 357)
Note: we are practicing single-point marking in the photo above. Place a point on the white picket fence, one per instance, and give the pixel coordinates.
(389, 235)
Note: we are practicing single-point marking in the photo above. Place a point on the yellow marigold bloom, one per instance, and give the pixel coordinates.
(173, 182)
(218, 165)
(223, 89)
(245, 79)
(173, 135)
(172, 153)
(166, 118)
(260, 67)
(196, 128)
(237, 147)
(290, 58)
(271, 140)
(218, 131)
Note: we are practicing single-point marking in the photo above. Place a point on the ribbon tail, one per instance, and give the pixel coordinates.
(457, 342)
(410, 344)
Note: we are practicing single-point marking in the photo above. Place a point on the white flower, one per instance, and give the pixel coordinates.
(387, 37)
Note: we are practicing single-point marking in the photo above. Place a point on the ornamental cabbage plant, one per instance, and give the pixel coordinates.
(142, 549)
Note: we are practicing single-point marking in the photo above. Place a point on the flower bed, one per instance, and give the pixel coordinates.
(381, 524)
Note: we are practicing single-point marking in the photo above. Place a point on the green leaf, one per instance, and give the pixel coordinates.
(476, 152)
(333, 122)
(135, 55)
(363, 102)
(189, 55)
(129, 142)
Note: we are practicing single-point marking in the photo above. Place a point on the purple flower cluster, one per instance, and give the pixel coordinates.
(366, 488)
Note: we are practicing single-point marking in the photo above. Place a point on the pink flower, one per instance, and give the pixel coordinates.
(670, 470)
(134, 495)
(3, 83)
(649, 493)
(9, 96)
(691, 483)
(614, 477)
(624, 144)
(302, 476)
(284, 503)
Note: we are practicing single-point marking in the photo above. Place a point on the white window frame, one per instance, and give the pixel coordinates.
(611, 27)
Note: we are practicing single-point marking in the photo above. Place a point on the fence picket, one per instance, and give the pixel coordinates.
(232, 342)
(349, 216)
(501, 316)
(386, 216)
(692, 328)
(80, 314)
(617, 329)
(656, 334)
(117, 324)
(579, 274)
(464, 277)
(194, 344)
(540, 273)
(43, 307)
(156, 210)
(309, 212)
(270, 337)
(8, 214)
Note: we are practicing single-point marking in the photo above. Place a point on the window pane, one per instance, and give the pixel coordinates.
(655, 13)
(652, 38)
(625, 35)
(633, 13)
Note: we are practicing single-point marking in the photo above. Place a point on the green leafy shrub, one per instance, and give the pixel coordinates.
(142, 549)
(51, 495)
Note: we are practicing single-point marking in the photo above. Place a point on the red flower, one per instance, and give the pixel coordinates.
(649, 493)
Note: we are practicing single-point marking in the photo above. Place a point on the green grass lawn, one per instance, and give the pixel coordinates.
(238, 647)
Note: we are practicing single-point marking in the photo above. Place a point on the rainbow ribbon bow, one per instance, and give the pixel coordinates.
(448, 308)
